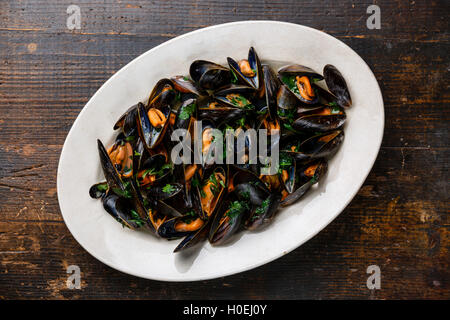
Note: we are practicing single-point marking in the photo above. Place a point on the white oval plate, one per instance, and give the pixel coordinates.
(143, 255)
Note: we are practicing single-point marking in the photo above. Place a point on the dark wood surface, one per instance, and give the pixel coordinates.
(398, 221)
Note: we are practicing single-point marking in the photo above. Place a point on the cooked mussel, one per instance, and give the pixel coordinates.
(264, 213)
(228, 219)
(209, 75)
(317, 146)
(298, 80)
(248, 71)
(211, 190)
(128, 121)
(178, 227)
(320, 120)
(109, 169)
(307, 175)
(122, 210)
(152, 125)
(337, 85)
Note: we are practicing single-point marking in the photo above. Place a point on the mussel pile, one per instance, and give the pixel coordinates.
(145, 189)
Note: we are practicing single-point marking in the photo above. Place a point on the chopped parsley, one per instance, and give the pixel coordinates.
(187, 111)
(236, 208)
(136, 219)
(130, 138)
(261, 209)
(168, 188)
(126, 193)
(102, 187)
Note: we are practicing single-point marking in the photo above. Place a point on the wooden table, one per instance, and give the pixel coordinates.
(398, 221)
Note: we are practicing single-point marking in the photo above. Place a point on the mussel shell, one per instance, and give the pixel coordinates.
(218, 196)
(305, 182)
(193, 238)
(271, 85)
(318, 146)
(337, 85)
(98, 190)
(109, 170)
(120, 209)
(299, 70)
(221, 114)
(254, 63)
(222, 230)
(259, 219)
(158, 192)
(149, 135)
(185, 120)
(162, 94)
(127, 121)
(319, 123)
(285, 75)
(209, 75)
(185, 85)
(167, 229)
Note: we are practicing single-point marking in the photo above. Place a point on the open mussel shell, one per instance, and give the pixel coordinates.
(209, 75)
(252, 74)
(121, 210)
(236, 96)
(264, 213)
(128, 122)
(308, 174)
(211, 190)
(318, 146)
(109, 170)
(151, 136)
(320, 120)
(98, 190)
(228, 219)
(337, 85)
(220, 112)
(182, 226)
(163, 94)
(288, 76)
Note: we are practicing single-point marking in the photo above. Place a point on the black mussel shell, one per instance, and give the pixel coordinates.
(209, 75)
(127, 122)
(254, 64)
(228, 219)
(317, 121)
(271, 87)
(317, 146)
(168, 229)
(111, 174)
(337, 85)
(163, 192)
(185, 85)
(121, 210)
(98, 190)
(163, 94)
(263, 214)
(288, 74)
(317, 168)
(150, 135)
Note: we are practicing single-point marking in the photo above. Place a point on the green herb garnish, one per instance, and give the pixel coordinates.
(168, 188)
(187, 111)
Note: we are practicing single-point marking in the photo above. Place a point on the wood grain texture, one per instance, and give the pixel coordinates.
(398, 220)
